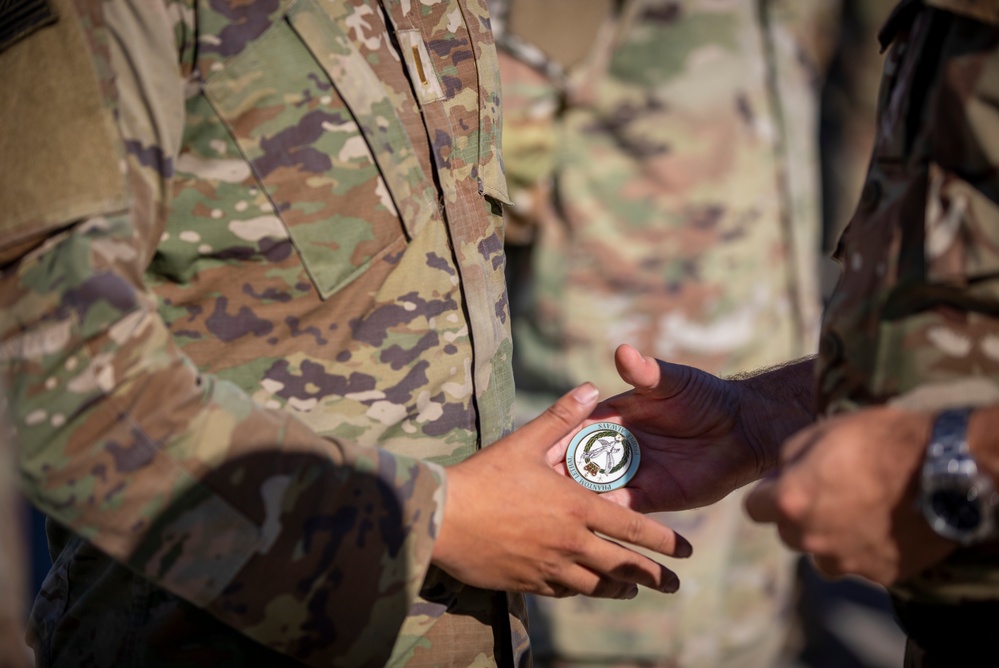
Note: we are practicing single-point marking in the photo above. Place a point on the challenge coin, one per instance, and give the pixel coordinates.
(603, 456)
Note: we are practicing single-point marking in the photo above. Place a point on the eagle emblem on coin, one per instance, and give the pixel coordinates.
(603, 456)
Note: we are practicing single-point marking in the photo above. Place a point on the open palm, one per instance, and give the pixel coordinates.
(696, 443)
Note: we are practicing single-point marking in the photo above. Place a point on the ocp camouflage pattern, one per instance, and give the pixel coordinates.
(915, 318)
(242, 345)
(666, 189)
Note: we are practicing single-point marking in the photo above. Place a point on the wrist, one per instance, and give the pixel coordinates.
(773, 404)
(445, 526)
(452, 530)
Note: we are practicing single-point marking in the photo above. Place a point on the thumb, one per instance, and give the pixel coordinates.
(634, 368)
(561, 418)
(648, 373)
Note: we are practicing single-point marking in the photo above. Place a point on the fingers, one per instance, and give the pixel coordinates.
(608, 564)
(620, 564)
(828, 566)
(562, 417)
(760, 503)
(629, 497)
(579, 580)
(602, 568)
(628, 526)
(770, 504)
(555, 456)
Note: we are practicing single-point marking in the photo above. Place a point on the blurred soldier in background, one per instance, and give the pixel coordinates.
(663, 160)
(14, 652)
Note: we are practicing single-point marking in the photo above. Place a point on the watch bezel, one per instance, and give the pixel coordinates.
(976, 491)
(949, 467)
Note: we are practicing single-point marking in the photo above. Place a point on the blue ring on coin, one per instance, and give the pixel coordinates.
(603, 456)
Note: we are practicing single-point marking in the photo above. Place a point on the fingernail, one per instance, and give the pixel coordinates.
(683, 548)
(630, 594)
(670, 586)
(585, 393)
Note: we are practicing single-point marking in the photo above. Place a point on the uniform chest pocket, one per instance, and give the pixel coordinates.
(309, 155)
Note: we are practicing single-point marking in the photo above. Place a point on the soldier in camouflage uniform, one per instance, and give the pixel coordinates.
(254, 327)
(910, 335)
(662, 157)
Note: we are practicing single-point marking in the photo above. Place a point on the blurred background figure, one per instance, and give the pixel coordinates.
(846, 623)
(14, 652)
(663, 157)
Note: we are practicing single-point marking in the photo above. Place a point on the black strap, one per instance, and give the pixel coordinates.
(20, 18)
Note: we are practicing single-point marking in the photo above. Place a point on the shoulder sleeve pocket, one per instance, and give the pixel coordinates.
(59, 154)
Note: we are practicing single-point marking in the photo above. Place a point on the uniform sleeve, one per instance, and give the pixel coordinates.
(180, 476)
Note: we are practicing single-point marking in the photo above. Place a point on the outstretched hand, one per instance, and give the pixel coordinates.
(511, 523)
(687, 422)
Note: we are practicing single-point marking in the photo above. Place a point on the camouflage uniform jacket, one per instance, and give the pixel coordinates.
(244, 243)
(915, 317)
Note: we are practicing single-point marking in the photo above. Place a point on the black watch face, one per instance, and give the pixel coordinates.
(956, 509)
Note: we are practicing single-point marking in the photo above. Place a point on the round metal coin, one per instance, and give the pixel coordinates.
(603, 456)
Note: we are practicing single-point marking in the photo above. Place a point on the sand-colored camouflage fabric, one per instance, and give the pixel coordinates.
(662, 157)
(915, 318)
(252, 297)
(14, 651)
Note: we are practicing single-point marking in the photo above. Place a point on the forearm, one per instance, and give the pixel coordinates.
(775, 402)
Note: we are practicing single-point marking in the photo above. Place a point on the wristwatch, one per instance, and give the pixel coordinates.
(957, 499)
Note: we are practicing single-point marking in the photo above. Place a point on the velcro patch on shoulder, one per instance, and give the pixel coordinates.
(19, 18)
(59, 147)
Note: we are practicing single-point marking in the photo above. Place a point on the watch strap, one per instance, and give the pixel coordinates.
(949, 437)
